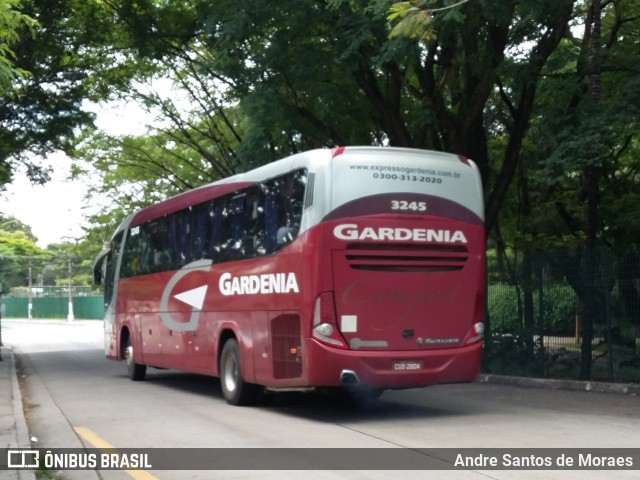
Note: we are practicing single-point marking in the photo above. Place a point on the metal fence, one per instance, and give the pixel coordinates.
(567, 313)
(53, 291)
(52, 302)
(85, 308)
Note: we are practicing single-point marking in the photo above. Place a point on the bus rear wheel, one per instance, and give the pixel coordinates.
(135, 371)
(234, 388)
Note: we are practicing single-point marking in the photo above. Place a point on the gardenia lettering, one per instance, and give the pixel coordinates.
(350, 231)
(258, 284)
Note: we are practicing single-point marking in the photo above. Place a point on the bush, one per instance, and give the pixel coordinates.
(558, 308)
(502, 305)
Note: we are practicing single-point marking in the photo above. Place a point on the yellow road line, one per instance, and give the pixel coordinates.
(98, 442)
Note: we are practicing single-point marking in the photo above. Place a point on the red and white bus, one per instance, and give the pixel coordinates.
(360, 267)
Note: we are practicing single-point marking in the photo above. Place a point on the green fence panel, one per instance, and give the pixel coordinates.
(84, 308)
(52, 307)
(15, 307)
(89, 308)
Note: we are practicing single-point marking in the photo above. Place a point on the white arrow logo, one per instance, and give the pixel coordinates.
(193, 297)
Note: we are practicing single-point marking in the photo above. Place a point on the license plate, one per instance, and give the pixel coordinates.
(407, 365)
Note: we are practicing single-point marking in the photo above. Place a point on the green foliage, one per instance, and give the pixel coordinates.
(17, 253)
(414, 19)
(39, 114)
(69, 262)
(12, 21)
(20, 257)
(559, 308)
(264, 82)
(413, 22)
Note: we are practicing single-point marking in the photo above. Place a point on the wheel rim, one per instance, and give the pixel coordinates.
(230, 377)
(128, 356)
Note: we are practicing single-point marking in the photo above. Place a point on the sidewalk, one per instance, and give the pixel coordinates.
(13, 426)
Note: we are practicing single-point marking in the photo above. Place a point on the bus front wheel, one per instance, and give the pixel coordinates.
(234, 389)
(135, 371)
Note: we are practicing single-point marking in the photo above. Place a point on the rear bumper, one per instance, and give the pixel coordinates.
(375, 369)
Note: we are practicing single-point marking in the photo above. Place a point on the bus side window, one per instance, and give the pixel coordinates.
(231, 227)
(297, 187)
(110, 271)
(144, 253)
(270, 220)
(287, 194)
(157, 238)
(184, 236)
(254, 227)
(199, 237)
(214, 229)
(132, 261)
(236, 245)
(172, 243)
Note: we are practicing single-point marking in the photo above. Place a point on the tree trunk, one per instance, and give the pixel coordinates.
(592, 189)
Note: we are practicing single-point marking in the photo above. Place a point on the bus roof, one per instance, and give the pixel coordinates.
(308, 159)
(184, 200)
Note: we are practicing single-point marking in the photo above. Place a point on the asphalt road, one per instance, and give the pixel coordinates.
(73, 396)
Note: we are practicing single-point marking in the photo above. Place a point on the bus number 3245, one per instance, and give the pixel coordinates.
(403, 205)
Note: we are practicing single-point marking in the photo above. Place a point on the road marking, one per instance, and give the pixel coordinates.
(98, 442)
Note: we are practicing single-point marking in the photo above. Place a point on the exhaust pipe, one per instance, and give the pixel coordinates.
(348, 378)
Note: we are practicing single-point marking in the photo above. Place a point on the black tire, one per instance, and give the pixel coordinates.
(234, 389)
(135, 371)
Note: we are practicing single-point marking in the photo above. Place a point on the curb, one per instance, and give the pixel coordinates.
(22, 432)
(575, 385)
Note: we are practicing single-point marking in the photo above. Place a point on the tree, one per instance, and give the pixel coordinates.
(40, 112)
(67, 258)
(574, 148)
(339, 79)
(265, 81)
(18, 253)
(224, 116)
(11, 23)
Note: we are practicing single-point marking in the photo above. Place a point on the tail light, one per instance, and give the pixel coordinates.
(337, 151)
(477, 331)
(325, 327)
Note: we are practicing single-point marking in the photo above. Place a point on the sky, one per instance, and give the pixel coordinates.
(56, 211)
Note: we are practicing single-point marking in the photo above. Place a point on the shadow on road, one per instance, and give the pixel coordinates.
(327, 406)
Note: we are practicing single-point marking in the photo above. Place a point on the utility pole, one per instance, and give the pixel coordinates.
(30, 293)
(70, 316)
